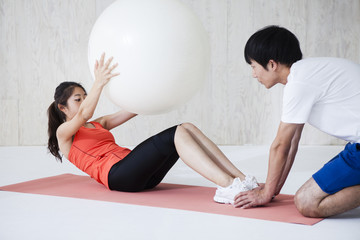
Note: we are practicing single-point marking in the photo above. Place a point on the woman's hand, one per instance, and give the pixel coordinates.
(103, 71)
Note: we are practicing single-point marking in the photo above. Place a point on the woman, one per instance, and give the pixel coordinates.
(91, 147)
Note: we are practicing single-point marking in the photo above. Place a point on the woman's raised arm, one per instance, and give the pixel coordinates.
(103, 74)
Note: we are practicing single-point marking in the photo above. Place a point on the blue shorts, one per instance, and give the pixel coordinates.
(340, 172)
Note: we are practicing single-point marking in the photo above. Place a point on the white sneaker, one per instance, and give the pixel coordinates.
(227, 194)
(250, 182)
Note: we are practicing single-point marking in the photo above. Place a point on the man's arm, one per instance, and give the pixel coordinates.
(283, 149)
(291, 157)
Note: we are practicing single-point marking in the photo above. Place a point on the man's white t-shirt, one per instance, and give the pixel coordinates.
(325, 92)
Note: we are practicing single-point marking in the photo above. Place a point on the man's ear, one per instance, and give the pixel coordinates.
(272, 65)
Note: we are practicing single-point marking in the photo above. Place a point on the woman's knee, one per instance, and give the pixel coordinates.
(189, 127)
(185, 129)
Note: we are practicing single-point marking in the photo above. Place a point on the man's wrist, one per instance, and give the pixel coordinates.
(268, 193)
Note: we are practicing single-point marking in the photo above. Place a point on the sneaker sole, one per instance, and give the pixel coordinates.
(222, 200)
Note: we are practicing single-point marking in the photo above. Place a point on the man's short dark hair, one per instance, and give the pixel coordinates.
(273, 42)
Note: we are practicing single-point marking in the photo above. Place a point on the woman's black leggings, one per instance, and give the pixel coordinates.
(146, 165)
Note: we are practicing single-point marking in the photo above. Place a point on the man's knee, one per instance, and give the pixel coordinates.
(307, 199)
(304, 205)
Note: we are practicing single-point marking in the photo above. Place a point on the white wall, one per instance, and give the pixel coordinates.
(44, 42)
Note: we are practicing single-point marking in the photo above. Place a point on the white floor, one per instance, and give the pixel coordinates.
(30, 216)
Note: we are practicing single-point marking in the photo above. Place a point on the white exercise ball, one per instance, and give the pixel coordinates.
(162, 50)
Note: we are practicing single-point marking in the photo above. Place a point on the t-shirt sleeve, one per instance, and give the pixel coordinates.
(298, 101)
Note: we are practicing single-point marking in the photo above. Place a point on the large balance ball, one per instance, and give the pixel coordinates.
(162, 50)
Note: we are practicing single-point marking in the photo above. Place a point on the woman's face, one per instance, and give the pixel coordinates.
(74, 102)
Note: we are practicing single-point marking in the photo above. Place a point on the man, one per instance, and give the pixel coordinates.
(325, 92)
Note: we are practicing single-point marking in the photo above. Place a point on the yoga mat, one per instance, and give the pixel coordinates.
(174, 196)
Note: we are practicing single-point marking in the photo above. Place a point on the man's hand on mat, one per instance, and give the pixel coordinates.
(252, 198)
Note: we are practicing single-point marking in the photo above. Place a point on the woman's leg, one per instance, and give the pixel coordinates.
(146, 165)
(202, 155)
(159, 175)
(198, 150)
(149, 162)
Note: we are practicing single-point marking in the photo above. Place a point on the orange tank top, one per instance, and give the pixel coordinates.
(94, 151)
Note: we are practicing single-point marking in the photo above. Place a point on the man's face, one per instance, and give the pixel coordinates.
(265, 76)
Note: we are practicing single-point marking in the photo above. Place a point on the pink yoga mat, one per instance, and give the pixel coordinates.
(174, 196)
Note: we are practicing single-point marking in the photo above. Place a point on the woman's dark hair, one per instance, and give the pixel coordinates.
(57, 117)
(273, 42)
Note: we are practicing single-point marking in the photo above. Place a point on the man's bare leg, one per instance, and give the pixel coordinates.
(311, 201)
